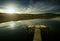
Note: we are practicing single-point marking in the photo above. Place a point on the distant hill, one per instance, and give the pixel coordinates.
(14, 17)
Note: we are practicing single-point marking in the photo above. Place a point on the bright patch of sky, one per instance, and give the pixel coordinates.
(31, 6)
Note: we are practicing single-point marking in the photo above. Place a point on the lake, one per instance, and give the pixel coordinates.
(18, 30)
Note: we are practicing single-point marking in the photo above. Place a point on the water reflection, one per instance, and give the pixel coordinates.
(21, 31)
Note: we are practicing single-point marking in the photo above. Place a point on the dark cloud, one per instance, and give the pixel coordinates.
(35, 5)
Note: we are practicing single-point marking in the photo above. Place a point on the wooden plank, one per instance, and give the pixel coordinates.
(37, 35)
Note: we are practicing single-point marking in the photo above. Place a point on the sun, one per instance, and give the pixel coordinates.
(10, 10)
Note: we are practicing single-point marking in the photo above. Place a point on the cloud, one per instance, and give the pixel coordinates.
(36, 8)
(40, 8)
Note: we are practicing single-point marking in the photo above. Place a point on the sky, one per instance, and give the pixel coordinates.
(30, 6)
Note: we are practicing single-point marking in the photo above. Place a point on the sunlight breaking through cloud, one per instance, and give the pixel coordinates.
(34, 8)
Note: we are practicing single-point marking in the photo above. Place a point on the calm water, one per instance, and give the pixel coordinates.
(19, 30)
